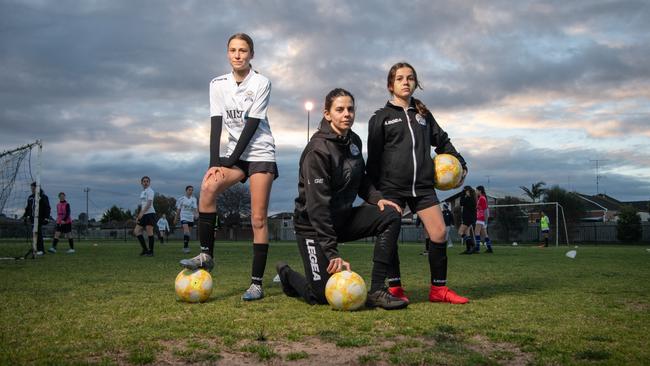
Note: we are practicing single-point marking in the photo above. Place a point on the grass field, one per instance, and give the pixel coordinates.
(107, 305)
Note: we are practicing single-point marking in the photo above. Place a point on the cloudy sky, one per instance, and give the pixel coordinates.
(527, 90)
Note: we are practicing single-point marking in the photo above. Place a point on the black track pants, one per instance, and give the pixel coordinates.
(356, 223)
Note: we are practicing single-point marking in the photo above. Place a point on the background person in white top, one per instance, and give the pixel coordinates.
(239, 100)
(187, 211)
(146, 218)
(163, 228)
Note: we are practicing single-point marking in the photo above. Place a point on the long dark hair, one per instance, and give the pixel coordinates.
(471, 191)
(481, 190)
(335, 93)
(390, 80)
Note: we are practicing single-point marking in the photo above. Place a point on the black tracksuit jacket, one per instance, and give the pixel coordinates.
(399, 150)
(332, 174)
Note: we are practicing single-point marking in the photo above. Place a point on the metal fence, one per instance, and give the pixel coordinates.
(596, 232)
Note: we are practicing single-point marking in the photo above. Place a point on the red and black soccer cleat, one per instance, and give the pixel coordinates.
(445, 294)
(398, 292)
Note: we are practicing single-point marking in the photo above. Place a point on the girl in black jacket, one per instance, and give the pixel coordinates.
(400, 137)
(332, 174)
(468, 216)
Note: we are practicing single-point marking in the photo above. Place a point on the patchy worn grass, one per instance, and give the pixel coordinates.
(106, 305)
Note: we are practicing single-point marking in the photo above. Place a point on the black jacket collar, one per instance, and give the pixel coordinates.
(325, 131)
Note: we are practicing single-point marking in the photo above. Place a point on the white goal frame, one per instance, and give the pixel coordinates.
(558, 207)
(37, 179)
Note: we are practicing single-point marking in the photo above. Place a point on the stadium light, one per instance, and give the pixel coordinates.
(308, 106)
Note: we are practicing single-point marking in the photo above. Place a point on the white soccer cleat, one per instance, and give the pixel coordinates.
(52, 250)
(40, 252)
(254, 292)
(70, 251)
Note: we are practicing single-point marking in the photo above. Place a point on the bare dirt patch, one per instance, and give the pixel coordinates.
(502, 352)
(311, 351)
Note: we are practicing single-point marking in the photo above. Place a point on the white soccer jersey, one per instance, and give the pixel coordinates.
(147, 195)
(235, 103)
(185, 207)
(162, 224)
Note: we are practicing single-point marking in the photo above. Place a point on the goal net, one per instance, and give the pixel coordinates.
(19, 167)
(520, 223)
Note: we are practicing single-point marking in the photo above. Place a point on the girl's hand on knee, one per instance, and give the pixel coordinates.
(383, 203)
(214, 173)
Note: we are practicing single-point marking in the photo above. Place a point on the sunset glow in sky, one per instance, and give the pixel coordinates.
(528, 91)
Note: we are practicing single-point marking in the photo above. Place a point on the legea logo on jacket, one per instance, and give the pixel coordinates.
(392, 121)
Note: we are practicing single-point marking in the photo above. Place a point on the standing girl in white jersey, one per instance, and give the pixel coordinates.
(187, 211)
(146, 218)
(239, 100)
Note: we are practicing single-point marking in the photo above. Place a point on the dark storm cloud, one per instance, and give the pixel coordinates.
(119, 89)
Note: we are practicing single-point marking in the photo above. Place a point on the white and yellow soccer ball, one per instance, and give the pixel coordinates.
(346, 290)
(448, 173)
(193, 285)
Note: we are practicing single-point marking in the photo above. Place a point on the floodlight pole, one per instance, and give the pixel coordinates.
(308, 106)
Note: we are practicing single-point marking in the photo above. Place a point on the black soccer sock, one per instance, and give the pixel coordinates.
(260, 252)
(71, 242)
(488, 242)
(545, 242)
(206, 232)
(55, 242)
(186, 241)
(151, 241)
(142, 244)
(478, 242)
(438, 263)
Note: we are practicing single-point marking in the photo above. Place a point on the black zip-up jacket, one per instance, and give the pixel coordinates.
(399, 150)
(468, 205)
(44, 209)
(332, 174)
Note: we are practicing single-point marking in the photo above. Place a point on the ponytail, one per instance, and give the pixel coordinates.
(422, 109)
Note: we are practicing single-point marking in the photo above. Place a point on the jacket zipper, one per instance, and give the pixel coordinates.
(415, 163)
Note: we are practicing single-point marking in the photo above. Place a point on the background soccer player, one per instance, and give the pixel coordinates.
(43, 215)
(146, 218)
(239, 100)
(63, 224)
(187, 211)
(332, 174)
(482, 215)
(163, 228)
(544, 224)
(467, 218)
(400, 137)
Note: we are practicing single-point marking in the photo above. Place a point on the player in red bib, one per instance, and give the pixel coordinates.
(63, 224)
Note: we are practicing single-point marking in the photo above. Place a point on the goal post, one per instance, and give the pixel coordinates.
(520, 216)
(19, 167)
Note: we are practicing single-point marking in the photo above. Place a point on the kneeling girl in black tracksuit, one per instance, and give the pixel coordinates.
(400, 137)
(332, 174)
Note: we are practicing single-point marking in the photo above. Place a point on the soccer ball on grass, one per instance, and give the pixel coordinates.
(346, 290)
(193, 285)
